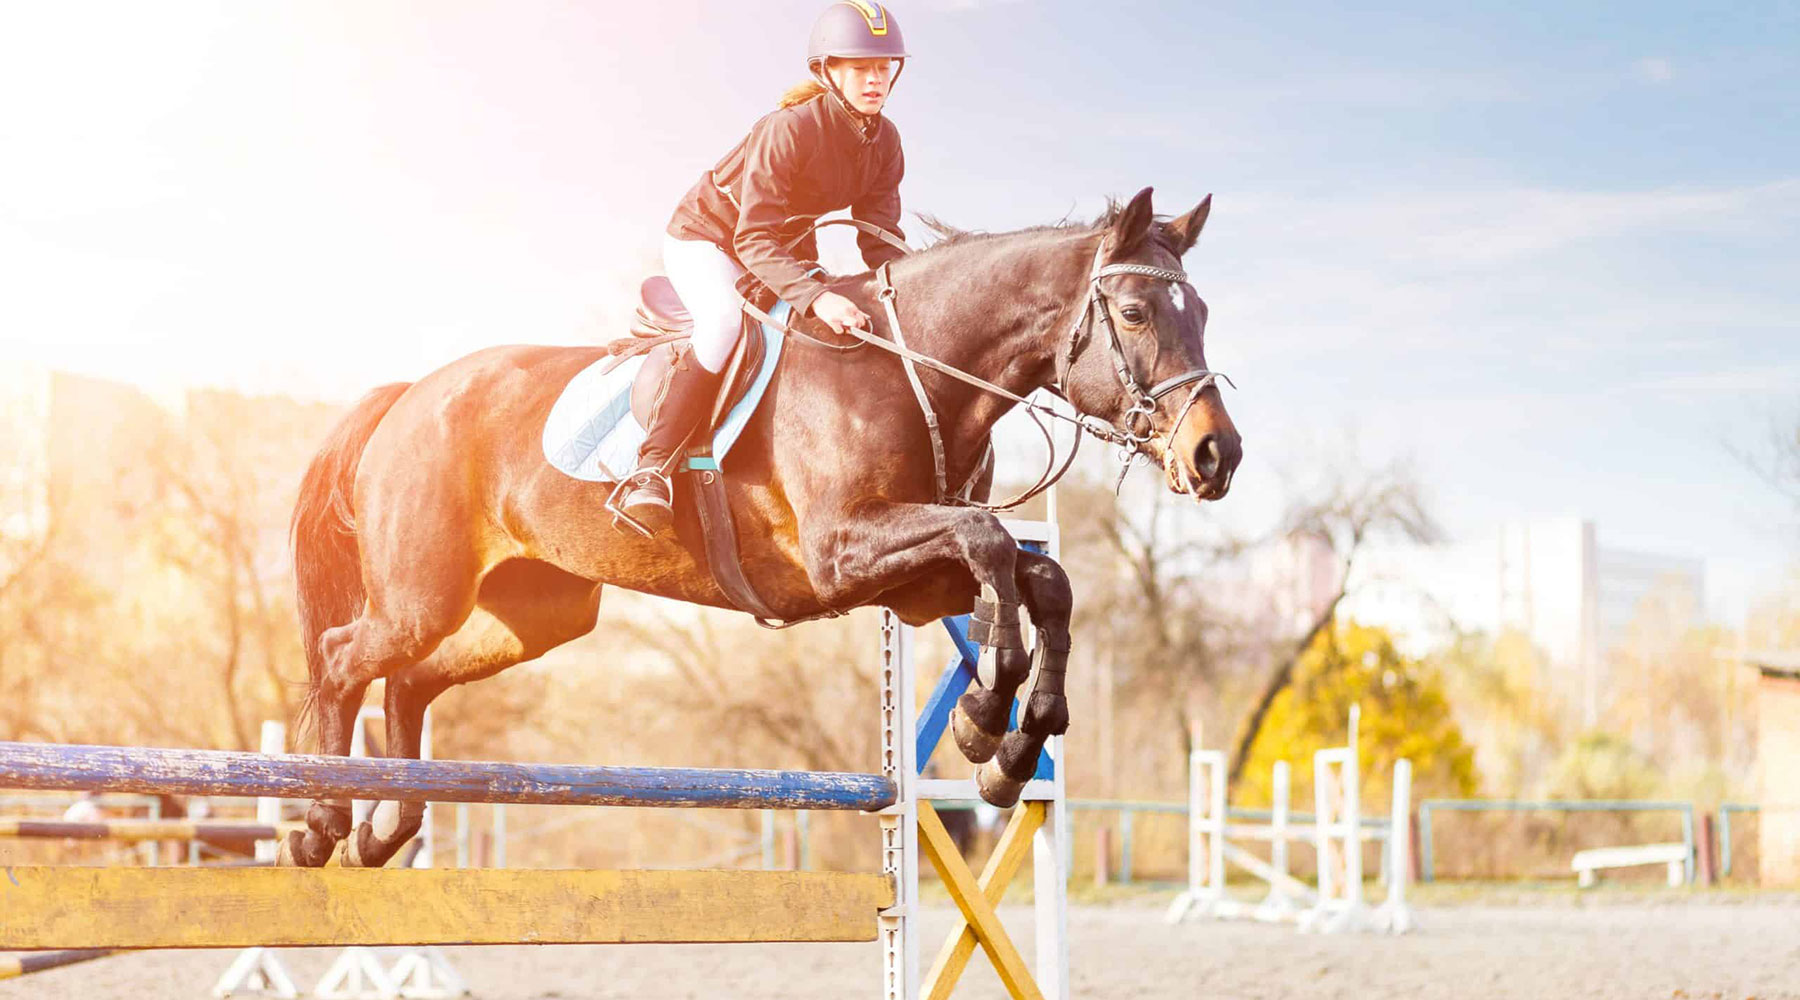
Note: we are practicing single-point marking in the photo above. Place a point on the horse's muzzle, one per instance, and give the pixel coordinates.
(1206, 472)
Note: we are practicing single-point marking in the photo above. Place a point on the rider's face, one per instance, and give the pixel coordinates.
(863, 82)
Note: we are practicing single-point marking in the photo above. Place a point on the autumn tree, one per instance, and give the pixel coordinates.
(1404, 715)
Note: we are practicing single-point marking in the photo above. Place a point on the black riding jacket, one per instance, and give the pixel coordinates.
(797, 164)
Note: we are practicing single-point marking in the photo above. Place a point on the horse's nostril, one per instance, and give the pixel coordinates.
(1207, 456)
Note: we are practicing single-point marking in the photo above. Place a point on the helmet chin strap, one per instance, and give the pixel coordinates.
(863, 121)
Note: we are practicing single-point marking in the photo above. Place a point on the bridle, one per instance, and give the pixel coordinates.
(1127, 435)
(1143, 401)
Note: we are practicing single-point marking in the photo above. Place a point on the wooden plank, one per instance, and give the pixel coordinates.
(1008, 856)
(976, 910)
(313, 776)
(70, 907)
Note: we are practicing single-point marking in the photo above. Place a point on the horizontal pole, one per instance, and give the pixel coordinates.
(14, 966)
(139, 829)
(63, 907)
(1556, 805)
(311, 776)
(1374, 823)
(964, 790)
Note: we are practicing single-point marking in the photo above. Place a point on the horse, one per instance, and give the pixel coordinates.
(433, 544)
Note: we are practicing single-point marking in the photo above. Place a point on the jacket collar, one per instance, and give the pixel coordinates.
(864, 127)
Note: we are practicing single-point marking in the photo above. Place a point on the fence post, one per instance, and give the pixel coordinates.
(1412, 834)
(1706, 850)
(1425, 861)
(1102, 854)
(268, 810)
(1687, 837)
(1125, 839)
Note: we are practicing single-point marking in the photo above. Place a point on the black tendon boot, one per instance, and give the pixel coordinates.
(682, 401)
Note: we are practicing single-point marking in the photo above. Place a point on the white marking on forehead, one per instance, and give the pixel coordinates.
(1177, 296)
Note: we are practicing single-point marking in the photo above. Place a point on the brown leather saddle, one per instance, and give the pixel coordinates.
(662, 327)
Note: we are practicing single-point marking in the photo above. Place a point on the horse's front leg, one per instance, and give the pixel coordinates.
(1045, 588)
(853, 559)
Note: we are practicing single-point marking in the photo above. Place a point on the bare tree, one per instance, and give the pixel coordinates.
(799, 695)
(1348, 513)
(226, 479)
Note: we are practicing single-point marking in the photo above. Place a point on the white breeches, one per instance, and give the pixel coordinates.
(706, 280)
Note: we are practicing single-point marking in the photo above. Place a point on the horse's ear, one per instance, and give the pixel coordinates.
(1132, 223)
(1185, 230)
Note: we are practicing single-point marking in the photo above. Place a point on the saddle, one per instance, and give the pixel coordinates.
(661, 327)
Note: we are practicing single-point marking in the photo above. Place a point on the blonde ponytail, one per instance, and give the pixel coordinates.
(800, 93)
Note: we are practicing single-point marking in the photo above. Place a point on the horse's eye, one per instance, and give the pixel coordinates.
(1132, 314)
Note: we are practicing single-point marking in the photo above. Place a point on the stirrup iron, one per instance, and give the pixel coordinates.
(620, 517)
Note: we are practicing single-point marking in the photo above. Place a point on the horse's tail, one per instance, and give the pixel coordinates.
(328, 586)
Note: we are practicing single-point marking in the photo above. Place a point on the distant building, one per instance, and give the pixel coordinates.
(77, 457)
(1549, 579)
(24, 452)
(1778, 781)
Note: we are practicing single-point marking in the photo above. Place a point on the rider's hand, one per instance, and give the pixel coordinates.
(839, 313)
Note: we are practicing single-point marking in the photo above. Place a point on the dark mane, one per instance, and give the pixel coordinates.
(949, 235)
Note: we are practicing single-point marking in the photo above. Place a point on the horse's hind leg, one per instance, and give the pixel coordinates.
(1044, 588)
(409, 692)
(524, 610)
(355, 654)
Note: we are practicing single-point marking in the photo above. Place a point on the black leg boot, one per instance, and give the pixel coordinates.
(682, 401)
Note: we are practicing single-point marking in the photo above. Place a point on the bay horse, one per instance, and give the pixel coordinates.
(434, 545)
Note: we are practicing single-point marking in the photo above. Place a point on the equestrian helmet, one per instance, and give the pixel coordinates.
(855, 29)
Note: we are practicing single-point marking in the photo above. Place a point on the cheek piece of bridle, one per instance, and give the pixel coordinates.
(1136, 426)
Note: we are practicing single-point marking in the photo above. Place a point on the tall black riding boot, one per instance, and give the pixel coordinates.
(682, 401)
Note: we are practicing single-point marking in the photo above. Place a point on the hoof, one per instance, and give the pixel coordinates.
(293, 852)
(996, 787)
(361, 849)
(978, 745)
(285, 851)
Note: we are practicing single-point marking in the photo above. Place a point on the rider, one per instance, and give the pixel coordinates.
(826, 147)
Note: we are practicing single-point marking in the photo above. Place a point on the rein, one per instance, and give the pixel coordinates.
(1128, 438)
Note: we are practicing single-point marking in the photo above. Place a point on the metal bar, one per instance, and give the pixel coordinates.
(225, 772)
(1235, 812)
(1725, 811)
(1558, 805)
(1426, 806)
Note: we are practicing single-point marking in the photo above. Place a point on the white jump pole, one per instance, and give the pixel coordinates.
(1393, 915)
(1280, 904)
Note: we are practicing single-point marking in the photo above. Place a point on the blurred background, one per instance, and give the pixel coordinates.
(1508, 292)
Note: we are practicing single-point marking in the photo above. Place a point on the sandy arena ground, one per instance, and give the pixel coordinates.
(1557, 946)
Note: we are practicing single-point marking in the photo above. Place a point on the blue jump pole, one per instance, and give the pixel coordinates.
(308, 776)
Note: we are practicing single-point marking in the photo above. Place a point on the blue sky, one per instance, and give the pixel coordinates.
(1545, 253)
